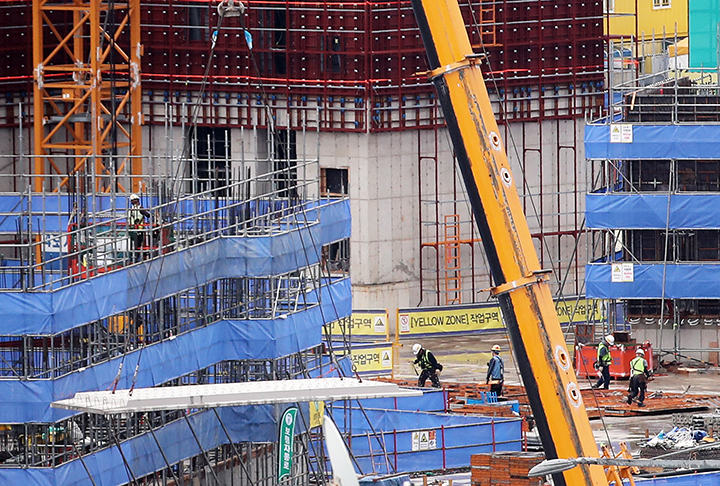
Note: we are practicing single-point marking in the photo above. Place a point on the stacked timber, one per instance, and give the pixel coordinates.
(505, 469)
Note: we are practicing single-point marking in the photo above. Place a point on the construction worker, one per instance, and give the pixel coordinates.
(496, 371)
(135, 220)
(604, 360)
(428, 364)
(639, 374)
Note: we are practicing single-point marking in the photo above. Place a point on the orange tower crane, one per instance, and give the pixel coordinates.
(87, 96)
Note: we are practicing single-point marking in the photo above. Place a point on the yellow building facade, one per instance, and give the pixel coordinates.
(626, 17)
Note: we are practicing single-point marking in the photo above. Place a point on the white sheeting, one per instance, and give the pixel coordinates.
(231, 394)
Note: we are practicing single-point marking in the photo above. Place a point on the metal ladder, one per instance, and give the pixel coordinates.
(377, 465)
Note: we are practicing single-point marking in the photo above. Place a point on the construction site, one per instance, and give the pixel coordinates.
(212, 192)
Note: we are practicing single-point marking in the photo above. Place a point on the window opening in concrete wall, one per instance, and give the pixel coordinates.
(336, 257)
(333, 182)
(212, 156)
(285, 163)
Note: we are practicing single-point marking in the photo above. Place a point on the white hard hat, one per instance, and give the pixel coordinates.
(496, 347)
(640, 351)
(134, 197)
(416, 348)
(610, 339)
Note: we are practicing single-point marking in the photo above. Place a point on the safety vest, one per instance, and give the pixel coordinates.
(425, 361)
(604, 360)
(637, 366)
(135, 217)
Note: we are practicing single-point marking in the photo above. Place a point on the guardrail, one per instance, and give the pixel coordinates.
(51, 240)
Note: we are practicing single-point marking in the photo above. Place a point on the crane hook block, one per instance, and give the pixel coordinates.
(231, 8)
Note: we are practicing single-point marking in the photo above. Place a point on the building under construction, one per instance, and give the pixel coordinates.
(653, 208)
(243, 128)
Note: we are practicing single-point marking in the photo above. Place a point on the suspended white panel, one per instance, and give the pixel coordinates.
(231, 394)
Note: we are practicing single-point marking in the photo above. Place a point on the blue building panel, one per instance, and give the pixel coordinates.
(651, 211)
(655, 281)
(659, 142)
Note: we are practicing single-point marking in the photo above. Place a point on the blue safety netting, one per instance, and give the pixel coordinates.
(57, 209)
(455, 439)
(432, 400)
(393, 480)
(650, 211)
(29, 400)
(143, 456)
(654, 142)
(655, 281)
(452, 439)
(227, 257)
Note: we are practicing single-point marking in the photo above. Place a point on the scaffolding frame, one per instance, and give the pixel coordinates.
(646, 89)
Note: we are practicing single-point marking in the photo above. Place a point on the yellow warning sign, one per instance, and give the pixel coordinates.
(479, 318)
(423, 440)
(373, 358)
(363, 324)
(317, 412)
(456, 319)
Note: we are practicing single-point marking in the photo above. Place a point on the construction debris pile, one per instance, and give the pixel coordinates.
(687, 443)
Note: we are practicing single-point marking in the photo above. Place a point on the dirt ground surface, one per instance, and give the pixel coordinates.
(465, 360)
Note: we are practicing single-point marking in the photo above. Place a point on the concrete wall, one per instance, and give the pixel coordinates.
(400, 188)
(696, 338)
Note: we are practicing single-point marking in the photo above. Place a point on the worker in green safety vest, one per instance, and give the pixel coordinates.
(604, 360)
(429, 366)
(639, 374)
(136, 215)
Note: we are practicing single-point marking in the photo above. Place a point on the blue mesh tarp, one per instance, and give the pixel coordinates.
(231, 257)
(655, 281)
(650, 211)
(58, 208)
(29, 401)
(452, 439)
(654, 142)
(432, 400)
(143, 456)
(401, 480)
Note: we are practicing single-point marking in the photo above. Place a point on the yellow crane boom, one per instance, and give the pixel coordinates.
(520, 284)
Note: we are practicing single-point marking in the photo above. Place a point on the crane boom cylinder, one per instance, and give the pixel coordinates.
(521, 288)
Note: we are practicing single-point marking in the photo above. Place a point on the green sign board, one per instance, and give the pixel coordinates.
(286, 436)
